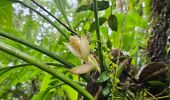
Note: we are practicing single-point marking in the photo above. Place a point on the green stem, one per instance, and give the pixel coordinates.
(98, 35)
(123, 29)
(42, 50)
(29, 59)
(47, 19)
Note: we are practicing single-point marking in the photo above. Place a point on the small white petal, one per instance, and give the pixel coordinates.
(82, 69)
(84, 47)
(72, 50)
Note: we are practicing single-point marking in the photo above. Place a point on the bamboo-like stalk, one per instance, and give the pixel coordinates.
(98, 35)
(29, 59)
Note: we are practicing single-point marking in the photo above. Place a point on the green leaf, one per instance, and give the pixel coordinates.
(5, 14)
(102, 5)
(82, 8)
(156, 87)
(113, 22)
(93, 25)
(120, 69)
(45, 82)
(42, 95)
(156, 84)
(103, 77)
(106, 91)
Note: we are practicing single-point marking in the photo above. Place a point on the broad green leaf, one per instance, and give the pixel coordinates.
(5, 14)
(93, 25)
(103, 77)
(113, 22)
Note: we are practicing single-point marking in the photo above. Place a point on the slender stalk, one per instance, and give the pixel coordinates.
(29, 59)
(98, 35)
(47, 19)
(123, 28)
(42, 50)
(69, 29)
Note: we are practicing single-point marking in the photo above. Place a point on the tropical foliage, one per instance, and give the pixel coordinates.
(78, 49)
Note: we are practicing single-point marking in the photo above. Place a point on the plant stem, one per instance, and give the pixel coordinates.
(69, 29)
(29, 59)
(47, 19)
(123, 29)
(98, 35)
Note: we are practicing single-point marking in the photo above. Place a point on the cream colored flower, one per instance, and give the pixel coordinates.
(80, 48)
(90, 65)
(74, 45)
